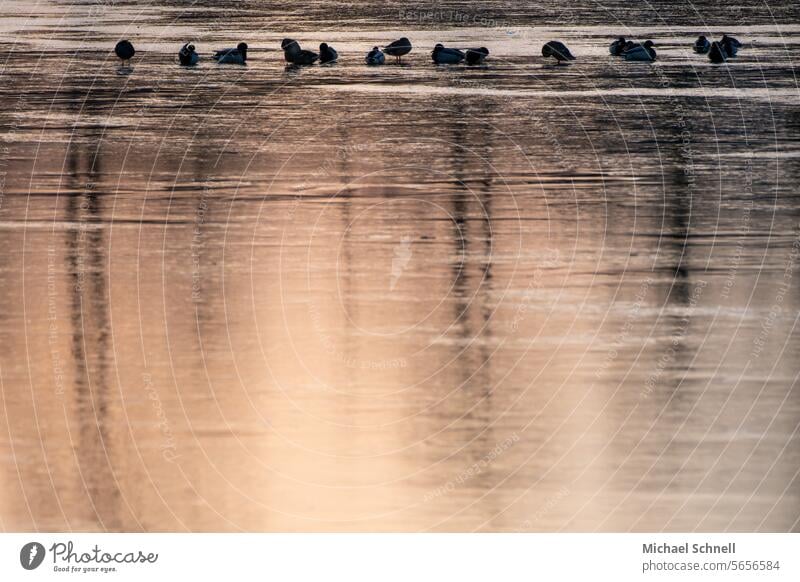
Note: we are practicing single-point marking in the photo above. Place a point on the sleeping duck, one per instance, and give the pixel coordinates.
(618, 47)
(476, 56)
(730, 44)
(446, 56)
(295, 55)
(327, 54)
(641, 52)
(125, 51)
(375, 57)
(232, 56)
(557, 50)
(717, 53)
(701, 45)
(187, 55)
(398, 48)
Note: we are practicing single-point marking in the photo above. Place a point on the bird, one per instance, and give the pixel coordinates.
(701, 45)
(717, 53)
(124, 51)
(375, 57)
(398, 48)
(730, 44)
(232, 56)
(641, 52)
(187, 55)
(476, 56)
(446, 56)
(557, 50)
(618, 46)
(295, 55)
(327, 54)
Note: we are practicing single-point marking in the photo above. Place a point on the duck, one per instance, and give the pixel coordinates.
(398, 48)
(476, 56)
(701, 45)
(717, 53)
(187, 55)
(641, 52)
(295, 55)
(232, 56)
(125, 51)
(375, 57)
(327, 54)
(730, 44)
(557, 50)
(446, 56)
(618, 47)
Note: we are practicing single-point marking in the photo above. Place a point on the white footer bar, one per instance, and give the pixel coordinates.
(401, 557)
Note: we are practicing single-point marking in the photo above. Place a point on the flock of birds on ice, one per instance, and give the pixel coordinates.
(717, 51)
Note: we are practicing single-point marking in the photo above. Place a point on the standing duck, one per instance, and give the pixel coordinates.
(446, 56)
(557, 50)
(295, 55)
(701, 45)
(187, 55)
(327, 54)
(717, 53)
(730, 44)
(375, 57)
(641, 52)
(618, 46)
(232, 56)
(398, 48)
(476, 56)
(125, 51)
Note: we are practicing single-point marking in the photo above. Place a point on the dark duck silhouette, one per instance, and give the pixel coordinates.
(125, 51)
(232, 56)
(730, 44)
(701, 45)
(327, 54)
(375, 57)
(295, 55)
(446, 56)
(717, 53)
(557, 50)
(618, 47)
(398, 48)
(476, 56)
(641, 52)
(187, 55)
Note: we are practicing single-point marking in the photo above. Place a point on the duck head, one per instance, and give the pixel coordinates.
(289, 44)
(438, 47)
(323, 47)
(648, 44)
(242, 48)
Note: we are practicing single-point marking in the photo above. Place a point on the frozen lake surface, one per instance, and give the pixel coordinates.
(513, 297)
